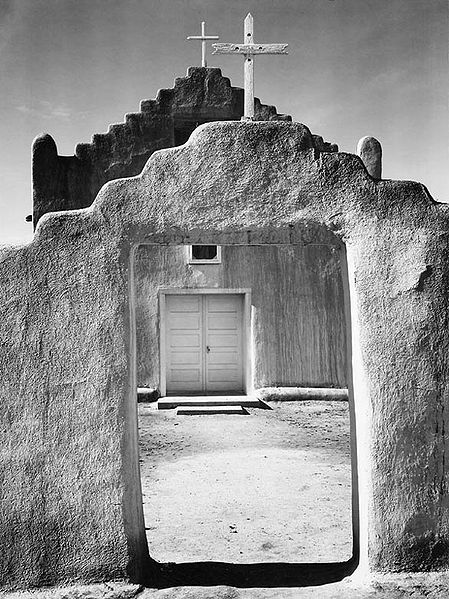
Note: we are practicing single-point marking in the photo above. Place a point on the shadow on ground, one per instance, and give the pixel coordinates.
(263, 575)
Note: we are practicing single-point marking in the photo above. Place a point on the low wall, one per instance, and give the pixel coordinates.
(302, 394)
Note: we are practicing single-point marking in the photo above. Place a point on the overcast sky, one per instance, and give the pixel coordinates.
(355, 68)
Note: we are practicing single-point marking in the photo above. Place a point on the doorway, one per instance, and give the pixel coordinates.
(285, 442)
(203, 341)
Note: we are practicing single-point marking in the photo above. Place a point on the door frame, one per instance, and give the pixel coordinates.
(247, 345)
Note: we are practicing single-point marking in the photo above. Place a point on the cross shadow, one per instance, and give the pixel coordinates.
(268, 575)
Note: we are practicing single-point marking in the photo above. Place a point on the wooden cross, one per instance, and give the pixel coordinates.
(203, 37)
(249, 49)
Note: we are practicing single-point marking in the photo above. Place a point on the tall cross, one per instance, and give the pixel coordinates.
(249, 49)
(203, 37)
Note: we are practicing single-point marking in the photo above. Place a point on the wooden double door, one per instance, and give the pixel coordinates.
(204, 343)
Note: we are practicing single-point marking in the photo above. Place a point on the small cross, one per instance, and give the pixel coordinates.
(203, 37)
(249, 49)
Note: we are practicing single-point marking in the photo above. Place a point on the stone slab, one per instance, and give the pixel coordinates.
(208, 410)
(169, 403)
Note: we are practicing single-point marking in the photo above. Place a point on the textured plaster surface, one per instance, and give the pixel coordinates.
(69, 182)
(204, 95)
(370, 151)
(71, 503)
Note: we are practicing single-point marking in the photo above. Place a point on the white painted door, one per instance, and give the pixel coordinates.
(204, 343)
(223, 334)
(185, 344)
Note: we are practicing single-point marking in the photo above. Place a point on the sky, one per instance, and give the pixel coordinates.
(355, 68)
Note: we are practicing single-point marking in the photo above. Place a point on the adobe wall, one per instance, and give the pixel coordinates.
(71, 503)
(298, 309)
(70, 182)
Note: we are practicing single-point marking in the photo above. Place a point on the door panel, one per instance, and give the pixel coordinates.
(186, 376)
(224, 358)
(184, 369)
(223, 303)
(221, 357)
(184, 303)
(222, 341)
(204, 343)
(222, 322)
(180, 358)
(186, 321)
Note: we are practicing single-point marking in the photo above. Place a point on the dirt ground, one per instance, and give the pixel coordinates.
(270, 486)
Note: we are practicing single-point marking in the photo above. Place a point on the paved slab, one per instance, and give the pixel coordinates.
(208, 410)
(169, 403)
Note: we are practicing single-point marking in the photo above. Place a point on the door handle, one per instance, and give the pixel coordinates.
(207, 348)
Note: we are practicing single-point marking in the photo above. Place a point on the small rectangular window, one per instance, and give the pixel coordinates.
(204, 254)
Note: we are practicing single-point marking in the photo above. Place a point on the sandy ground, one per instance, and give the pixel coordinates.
(272, 486)
(397, 586)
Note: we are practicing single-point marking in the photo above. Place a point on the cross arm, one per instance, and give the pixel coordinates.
(203, 37)
(226, 48)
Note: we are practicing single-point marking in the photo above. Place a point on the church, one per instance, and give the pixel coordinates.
(192, 252)
(210, 319)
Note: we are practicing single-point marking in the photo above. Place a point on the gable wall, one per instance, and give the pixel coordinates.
(71, 182)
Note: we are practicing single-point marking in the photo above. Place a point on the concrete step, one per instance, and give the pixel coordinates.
(208, 410)
(168, 403)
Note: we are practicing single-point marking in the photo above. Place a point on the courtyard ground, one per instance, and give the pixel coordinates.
(270, 486)
(287, 470)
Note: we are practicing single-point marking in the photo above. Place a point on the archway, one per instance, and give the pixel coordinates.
(68, 320)
(266, 574)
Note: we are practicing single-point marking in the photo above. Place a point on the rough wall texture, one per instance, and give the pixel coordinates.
(67, 511)
(297, 302)
(70, 182)
(69, 472)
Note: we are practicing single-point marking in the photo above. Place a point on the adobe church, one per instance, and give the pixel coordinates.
(236, 260)
(209, 319)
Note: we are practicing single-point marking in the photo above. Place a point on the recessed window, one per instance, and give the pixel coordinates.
(204, 254)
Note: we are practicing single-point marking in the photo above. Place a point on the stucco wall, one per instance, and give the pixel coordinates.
(66, 510)
(70, 182)
(71, 501)
(203, 96)
(298, 321)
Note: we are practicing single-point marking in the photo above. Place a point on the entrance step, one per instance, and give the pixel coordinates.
(168, 403)
(203, 410)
